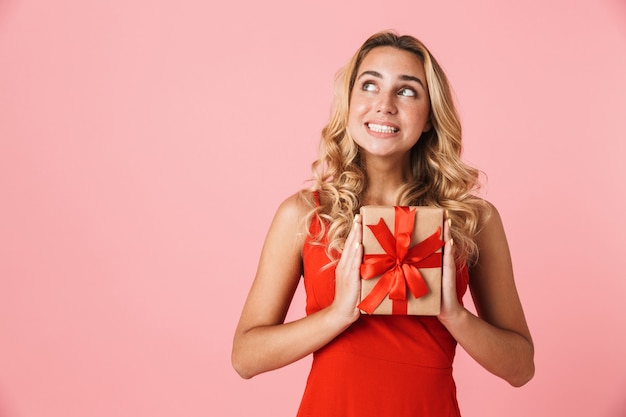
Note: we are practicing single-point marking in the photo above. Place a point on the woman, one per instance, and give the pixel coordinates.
(394, 138)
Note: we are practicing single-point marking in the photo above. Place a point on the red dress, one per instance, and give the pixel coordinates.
(383, 366)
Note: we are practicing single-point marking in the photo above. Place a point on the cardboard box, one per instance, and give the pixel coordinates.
(401, 270)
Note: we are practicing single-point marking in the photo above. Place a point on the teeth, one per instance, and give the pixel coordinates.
(381, 128)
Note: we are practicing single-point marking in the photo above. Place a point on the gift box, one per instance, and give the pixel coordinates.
(402, 259)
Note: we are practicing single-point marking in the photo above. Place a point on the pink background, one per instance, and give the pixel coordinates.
(144, 148)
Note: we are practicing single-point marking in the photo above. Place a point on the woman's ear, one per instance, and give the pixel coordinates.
(428, 126)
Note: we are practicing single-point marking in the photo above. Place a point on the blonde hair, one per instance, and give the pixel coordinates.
(438, 177)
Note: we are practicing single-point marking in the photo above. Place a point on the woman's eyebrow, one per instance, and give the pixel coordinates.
(402, 77)
(412, 78)
(372, 73)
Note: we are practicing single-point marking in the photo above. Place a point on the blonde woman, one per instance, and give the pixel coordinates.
(394, 138)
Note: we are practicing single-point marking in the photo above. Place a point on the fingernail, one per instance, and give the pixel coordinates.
(356, 218)
(357, 245)
(449, 222)
(451, 242)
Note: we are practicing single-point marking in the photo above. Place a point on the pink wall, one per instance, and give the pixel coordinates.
(144, 148)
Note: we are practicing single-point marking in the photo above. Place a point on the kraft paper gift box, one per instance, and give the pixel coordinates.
(402, 258)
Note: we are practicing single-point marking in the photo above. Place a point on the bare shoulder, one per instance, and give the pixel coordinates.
(289, 228)
(491, 237)
(490, 224)
(291, 215)
(295, 207)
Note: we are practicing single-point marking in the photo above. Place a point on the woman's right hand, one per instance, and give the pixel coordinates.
(348, 276)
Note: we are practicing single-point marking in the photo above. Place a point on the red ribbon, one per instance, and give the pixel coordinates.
(399, 264)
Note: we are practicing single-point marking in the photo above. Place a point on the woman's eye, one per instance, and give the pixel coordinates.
(407, 92)
(368, 87)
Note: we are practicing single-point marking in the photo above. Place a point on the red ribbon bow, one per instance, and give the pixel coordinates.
(399, 265)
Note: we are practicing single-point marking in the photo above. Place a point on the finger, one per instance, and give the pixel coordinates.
(357, 259)
(449, 242)
(351, 245)
(447, 226)
(357, 229)
(353, 230)
(357, 237)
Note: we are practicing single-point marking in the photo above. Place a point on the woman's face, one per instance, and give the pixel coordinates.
(389, 103)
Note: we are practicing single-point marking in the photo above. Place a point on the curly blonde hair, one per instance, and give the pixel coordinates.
(438, 177)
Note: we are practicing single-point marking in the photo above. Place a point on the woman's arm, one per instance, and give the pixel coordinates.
(498, 338)
(262, 340)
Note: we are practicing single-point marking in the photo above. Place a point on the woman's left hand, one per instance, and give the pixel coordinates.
(450, 306)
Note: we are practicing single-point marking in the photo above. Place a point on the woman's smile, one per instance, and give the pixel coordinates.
(382, 128)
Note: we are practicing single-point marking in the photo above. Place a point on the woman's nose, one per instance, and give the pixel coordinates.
(386, 103)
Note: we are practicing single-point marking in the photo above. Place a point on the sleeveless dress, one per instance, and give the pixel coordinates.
(383, 366)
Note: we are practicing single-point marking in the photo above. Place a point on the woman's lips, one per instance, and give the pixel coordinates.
(381, 128)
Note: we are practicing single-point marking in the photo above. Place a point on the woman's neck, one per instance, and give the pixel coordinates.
(384, 180)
